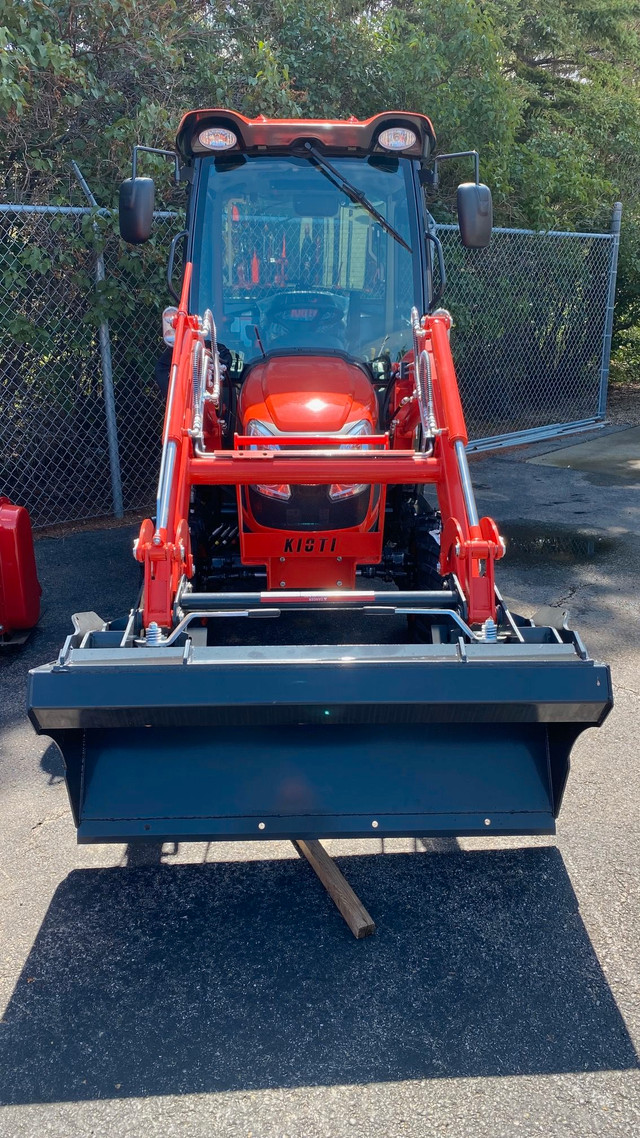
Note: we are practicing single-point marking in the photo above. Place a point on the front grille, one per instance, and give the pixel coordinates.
(309, 508)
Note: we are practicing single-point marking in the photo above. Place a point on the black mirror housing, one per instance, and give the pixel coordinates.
(475, 215)
(135, 209)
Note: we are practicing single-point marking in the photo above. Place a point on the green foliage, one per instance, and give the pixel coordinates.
(548, 91)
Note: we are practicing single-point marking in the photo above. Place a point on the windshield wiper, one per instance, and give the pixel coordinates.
(353, 193)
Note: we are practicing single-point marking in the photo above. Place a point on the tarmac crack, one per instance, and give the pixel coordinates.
(568, 596)
(51, 818)
(629, 691)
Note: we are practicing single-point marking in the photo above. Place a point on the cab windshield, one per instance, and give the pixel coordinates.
(287, 262)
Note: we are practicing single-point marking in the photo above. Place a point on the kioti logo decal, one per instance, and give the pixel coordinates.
(310, 545)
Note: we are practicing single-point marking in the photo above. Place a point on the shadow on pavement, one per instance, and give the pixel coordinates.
(241, 975)
(52, 764)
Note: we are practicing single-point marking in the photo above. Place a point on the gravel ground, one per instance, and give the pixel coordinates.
(623, 405)
(215, 989)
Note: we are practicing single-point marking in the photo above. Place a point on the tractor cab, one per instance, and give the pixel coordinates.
(309, 290)
(289, 263)
(308, 235)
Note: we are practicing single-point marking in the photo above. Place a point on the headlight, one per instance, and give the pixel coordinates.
(281, 490)
(169, 317)
(257, 427)
(339, 490)
(397, 138)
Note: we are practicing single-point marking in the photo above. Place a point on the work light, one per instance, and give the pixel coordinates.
(217, 138)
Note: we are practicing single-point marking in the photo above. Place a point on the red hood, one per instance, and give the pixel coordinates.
(307, 393)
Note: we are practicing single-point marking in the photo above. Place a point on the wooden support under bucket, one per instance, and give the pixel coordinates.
(338, 888)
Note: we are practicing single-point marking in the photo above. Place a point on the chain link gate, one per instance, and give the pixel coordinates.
(531, 341)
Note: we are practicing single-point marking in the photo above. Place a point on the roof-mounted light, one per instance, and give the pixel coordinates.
(397, 138)
(217, 138)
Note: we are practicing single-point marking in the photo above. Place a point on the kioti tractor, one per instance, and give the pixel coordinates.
(319, 646)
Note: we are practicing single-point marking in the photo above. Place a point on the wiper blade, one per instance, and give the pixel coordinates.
(354, 193)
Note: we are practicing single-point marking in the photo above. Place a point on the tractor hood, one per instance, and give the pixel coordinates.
(307, 393)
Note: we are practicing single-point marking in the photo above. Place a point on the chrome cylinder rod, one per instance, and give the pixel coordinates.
(164, 486)
(467, 488)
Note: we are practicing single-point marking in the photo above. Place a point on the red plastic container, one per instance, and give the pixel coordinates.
(19, 586)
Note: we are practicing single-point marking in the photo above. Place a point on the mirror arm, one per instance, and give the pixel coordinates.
(154, 150)
(458, 154)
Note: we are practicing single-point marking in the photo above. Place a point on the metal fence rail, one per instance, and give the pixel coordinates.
(531, 340)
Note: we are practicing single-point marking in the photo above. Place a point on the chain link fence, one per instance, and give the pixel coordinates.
(532, 330)
(531, 341)
(54, 436)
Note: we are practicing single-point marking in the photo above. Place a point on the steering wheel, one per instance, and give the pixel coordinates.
(305, 318)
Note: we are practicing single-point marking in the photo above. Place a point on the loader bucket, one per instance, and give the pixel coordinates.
(190, 743)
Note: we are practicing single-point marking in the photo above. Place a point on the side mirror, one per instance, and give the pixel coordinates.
(475, 215)
(135, 212)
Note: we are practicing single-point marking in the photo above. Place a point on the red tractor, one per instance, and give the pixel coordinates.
(396, 694)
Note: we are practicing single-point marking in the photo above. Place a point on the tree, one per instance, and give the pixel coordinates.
(548, 91)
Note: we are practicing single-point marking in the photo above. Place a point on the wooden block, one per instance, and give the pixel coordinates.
(338, 888)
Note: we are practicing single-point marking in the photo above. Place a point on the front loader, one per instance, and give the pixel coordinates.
(319, 648)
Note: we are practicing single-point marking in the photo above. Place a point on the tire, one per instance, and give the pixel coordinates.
(426, 576)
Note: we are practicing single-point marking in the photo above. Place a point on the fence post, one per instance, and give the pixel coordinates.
(107, 375)
(611, 296)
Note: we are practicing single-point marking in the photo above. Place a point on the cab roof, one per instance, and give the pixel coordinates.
(357, 137)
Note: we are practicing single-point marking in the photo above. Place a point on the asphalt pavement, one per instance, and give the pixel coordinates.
(214, 989)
